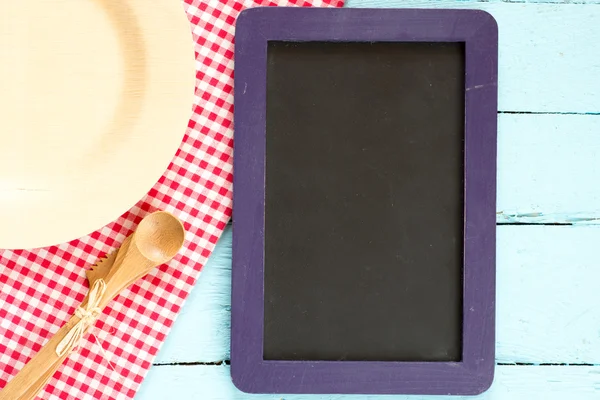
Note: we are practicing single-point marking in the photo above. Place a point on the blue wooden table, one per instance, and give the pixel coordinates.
(548, 301)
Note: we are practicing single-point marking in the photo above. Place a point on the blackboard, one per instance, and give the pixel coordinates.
(364, 201)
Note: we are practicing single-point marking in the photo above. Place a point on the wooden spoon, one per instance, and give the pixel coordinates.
(100, 270)
(157, 239)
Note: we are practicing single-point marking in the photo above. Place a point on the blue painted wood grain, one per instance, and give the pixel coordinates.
(511, 383)
(548, 146)
(546, 168)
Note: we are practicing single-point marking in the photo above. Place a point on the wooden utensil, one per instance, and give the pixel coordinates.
(156, 240)
(98, 271)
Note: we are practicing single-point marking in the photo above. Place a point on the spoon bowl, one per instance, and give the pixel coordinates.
(159, 236)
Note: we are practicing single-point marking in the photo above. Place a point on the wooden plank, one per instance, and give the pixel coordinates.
(512, 382)
(201, 331)
(549, 59)
(546, 164)
(548, 310)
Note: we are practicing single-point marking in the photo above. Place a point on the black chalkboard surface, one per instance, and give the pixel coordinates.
(364, 201)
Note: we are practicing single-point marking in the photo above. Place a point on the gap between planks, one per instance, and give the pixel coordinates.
(516, 364)
(550, 113)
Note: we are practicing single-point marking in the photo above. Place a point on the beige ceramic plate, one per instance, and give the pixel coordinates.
(95, 97)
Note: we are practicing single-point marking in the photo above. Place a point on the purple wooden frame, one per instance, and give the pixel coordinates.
(474, 373)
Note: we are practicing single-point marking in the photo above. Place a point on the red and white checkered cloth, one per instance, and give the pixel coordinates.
(40, 289)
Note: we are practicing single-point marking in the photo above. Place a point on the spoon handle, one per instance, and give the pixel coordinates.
(42, 366)
(38, 371)
(36, 387)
